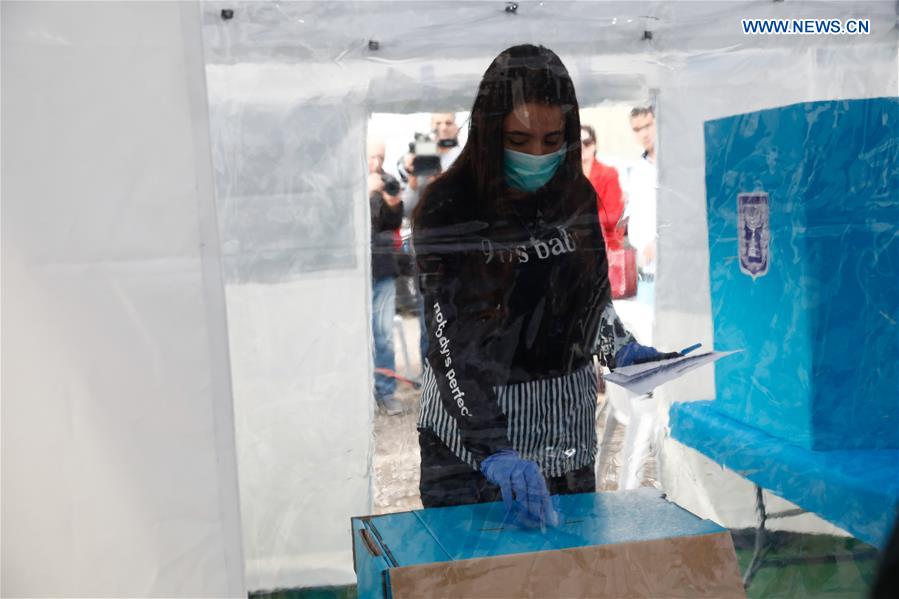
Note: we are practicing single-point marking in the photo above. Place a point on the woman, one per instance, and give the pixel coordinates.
(609, 199)
(610, 205)
(514, 277)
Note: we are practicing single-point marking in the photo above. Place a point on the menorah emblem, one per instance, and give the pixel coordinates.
(754, 228)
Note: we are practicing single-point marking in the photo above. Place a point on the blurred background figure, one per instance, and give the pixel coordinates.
(641, 209)
(386, 217)
(609, 200)
(641, 414)
(610, 204)
(429, 156)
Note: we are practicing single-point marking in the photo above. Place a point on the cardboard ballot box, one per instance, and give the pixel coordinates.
(624, 544)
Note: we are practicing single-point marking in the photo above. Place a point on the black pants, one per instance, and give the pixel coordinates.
(446, 480)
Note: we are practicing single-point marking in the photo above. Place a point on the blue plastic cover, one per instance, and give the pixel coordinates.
(804, 263)
(857, 490)
(484, 530)
(804, 258)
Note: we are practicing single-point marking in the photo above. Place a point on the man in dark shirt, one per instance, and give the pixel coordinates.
(386, 217)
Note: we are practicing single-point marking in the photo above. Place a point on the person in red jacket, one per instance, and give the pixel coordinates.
(609, 200)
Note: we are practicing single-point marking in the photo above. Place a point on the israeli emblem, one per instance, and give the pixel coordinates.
(754, 233)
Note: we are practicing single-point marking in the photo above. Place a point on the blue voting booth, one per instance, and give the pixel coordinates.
(631, 543)
(803, 224)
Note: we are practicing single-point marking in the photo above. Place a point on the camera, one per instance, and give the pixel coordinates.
(391, 185)
(427, 160)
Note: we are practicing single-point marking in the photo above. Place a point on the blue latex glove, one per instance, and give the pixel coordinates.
(634, 353)
(523, 488)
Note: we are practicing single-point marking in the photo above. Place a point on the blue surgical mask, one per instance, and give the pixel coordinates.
(527, 172)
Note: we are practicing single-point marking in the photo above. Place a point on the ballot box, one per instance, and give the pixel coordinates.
(803, 231)
(623, 544)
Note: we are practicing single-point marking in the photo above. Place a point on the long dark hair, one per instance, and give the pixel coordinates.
(518, 75)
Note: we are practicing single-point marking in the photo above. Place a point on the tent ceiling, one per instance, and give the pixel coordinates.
(340, 31)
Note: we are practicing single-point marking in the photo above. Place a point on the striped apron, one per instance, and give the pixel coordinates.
(550, 421)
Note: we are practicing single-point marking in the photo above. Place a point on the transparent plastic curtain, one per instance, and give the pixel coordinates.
(118, 462)
(292, 87)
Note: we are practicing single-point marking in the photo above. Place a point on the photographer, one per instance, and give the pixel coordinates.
(418, 168)
(386, 218)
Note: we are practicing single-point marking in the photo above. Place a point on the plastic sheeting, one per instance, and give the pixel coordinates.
(291, 87)
(813, 184)
(119, 469)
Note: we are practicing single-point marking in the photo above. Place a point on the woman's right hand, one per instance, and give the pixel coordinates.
(634, 353)
(523, 488)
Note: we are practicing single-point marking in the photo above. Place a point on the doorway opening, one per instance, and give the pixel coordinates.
(627, 452)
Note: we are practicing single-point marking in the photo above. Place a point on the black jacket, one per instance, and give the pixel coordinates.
(385, 220)
(510, 296)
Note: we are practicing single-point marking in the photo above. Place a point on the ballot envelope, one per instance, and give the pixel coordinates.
(621, 544)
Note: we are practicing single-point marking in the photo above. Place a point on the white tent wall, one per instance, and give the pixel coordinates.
(291, 86)
(299, 330)
(119, 470)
